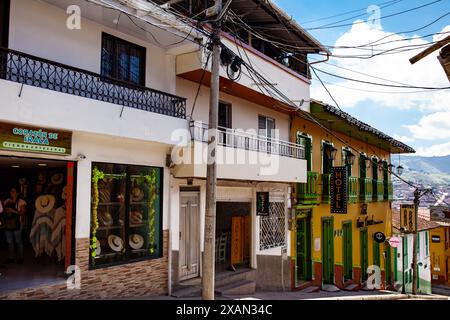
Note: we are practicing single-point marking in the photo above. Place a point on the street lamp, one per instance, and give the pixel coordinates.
(399, 170)
(331, 152)
(349, 158)
(367, 161)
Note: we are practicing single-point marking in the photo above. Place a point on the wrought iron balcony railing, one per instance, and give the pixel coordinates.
(307, 192)
(242, 140)
(30, 70)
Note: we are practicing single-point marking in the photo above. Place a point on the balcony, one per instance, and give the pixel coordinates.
(326, 194)
(378, 190)
(389, 191)
(365, 189)
(37, 72)
(307, 193)
(242, 155)
(352, 189)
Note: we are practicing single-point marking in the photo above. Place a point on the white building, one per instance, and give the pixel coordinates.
(114, 85)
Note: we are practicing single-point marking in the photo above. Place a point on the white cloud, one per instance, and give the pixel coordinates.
(434, 126)
(426, 72)
(434, 150)
(403, 139)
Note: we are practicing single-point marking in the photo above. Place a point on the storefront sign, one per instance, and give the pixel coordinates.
(16, 137)
(379, 237)
(436, 239)
(407, 218)
(262, 203)
(338, 190)
(394, 242)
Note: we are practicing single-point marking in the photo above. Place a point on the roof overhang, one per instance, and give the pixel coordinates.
(343, 122)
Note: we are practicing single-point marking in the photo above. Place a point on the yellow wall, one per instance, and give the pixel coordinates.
(319, 134)
(439, 252)
(381, 211)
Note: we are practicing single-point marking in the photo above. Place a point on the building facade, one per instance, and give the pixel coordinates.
(113, 98)
(440, 255)
(341, 249)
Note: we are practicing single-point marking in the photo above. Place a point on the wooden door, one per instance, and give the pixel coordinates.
(189, 236)
(347, 250)
(237, 240)
(328, 251)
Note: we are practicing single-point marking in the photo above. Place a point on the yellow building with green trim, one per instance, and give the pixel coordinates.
(440, 255)
(337, 249)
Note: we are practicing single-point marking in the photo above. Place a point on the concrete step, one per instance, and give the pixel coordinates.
(351, 287)
(187, 292)
(227, 277)
(242, 287)
(310, 289)
(330, 288)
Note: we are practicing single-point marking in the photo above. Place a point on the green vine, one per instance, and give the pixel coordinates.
(151, 182)
(97, 175)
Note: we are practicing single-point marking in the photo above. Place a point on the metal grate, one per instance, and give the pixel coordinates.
(272, 227)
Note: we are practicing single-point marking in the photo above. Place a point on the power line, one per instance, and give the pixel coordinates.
(347, 12)
(380, 84)
(384, 17)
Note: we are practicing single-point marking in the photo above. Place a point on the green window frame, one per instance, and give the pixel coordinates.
(395, 264)
(126, 214)
(376, 254)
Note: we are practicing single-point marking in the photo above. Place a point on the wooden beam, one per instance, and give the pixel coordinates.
(430, 50)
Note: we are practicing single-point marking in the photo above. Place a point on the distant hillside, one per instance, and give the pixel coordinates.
(425, 170)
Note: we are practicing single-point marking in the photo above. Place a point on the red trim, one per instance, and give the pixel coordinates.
(69, 207)
(264, 57)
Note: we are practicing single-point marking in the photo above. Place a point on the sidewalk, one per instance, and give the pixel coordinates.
(440, 289)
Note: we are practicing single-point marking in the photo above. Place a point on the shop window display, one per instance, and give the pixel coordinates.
(126, 213)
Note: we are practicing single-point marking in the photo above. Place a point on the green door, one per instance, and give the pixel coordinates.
(307, 143)
(376, 254)
(347, 250)
(304, 264)
(363, 241)
(387, 264)
(327, 251)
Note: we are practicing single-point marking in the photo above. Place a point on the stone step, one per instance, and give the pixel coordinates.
(187, 292)
(310, 289)
(351, 287)
(228, 277)
(330, 288)
(243, 287)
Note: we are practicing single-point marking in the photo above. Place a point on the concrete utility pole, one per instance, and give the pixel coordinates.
(211, 169)
(414, 262)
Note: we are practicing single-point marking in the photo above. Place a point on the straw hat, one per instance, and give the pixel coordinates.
(136, 241)
(45, 203)
(115, 243)
(64, 193)
(57, 178)
(137, 194)
(98, 248)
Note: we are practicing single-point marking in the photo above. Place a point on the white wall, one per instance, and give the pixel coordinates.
(39, 29)
(105, 149)
(42, 107)
(244, 113)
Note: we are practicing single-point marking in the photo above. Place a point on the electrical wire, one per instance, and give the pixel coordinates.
(383, 17)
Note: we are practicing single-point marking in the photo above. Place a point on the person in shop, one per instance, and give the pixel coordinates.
(13, 216)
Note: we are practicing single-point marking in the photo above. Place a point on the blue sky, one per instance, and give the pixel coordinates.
(424, 113)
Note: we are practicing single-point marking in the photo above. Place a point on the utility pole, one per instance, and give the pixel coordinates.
(414, 262)
(211, 169)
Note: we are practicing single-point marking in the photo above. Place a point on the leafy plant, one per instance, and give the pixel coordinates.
(97, 175)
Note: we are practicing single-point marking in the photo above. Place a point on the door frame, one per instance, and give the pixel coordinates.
(331, 235)
(199, 273)
(345, 249)
(308, 246)
(363, 249)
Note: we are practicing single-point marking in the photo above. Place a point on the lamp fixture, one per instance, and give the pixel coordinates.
(349, 157)
(331, 152)
(400, 170)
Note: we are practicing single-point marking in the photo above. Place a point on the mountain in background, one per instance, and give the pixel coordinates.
(432, 171)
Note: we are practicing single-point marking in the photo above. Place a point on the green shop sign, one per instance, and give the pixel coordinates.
(17, 137)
